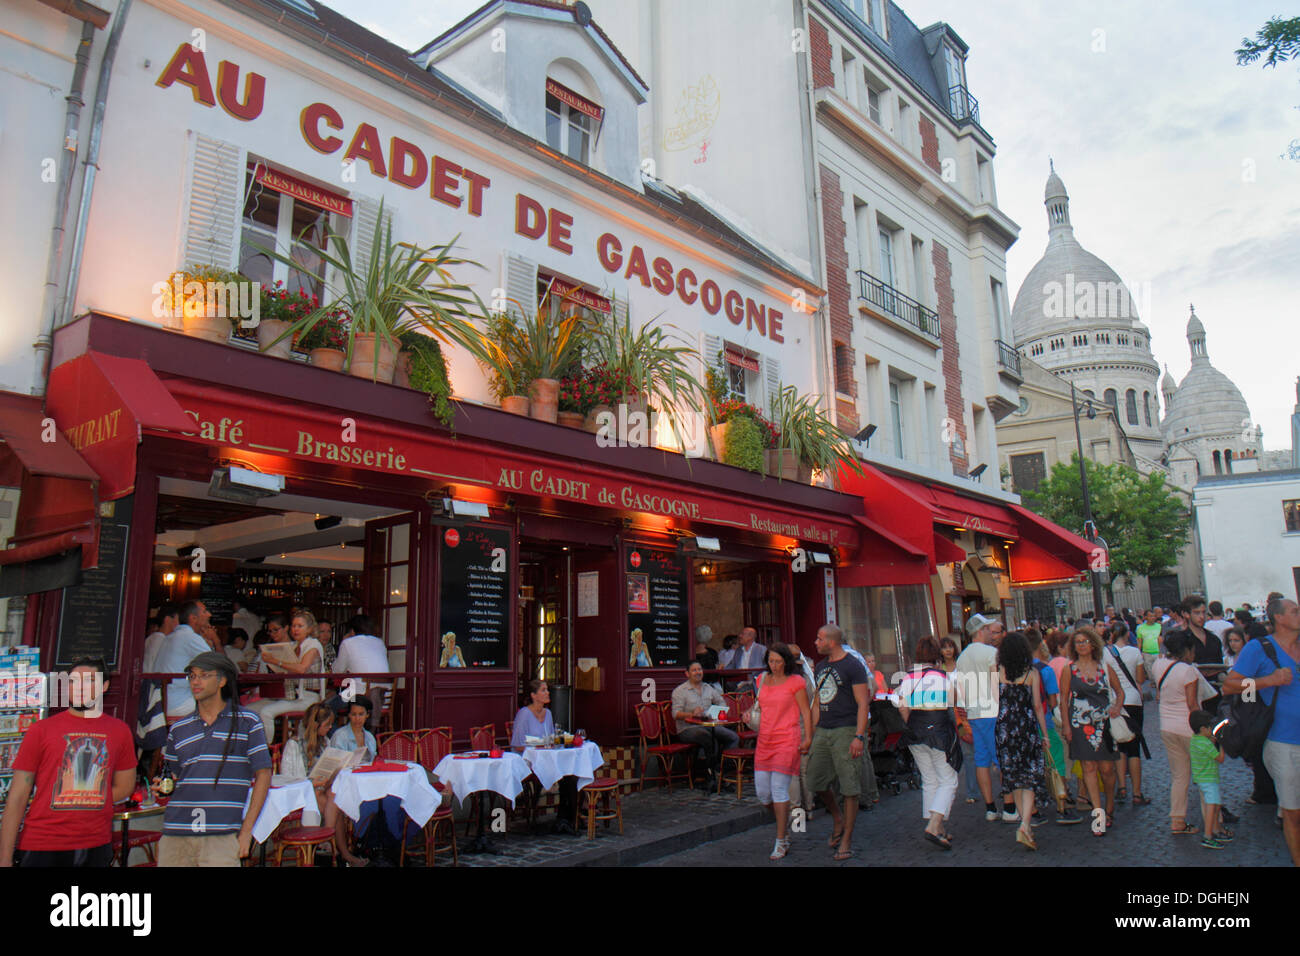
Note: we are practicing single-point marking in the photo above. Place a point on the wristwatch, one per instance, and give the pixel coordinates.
(862, 737)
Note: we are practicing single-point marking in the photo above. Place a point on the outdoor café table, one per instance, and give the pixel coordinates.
(468, 775)
(125, 815)
(550, 764)
(355, 786)
(286, 795)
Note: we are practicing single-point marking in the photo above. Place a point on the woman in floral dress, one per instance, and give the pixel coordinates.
(1020, 732)
(1090, 695)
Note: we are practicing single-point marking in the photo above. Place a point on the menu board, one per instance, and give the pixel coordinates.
(217, 592)
(657, 615)
(91, 616)
(474, 607)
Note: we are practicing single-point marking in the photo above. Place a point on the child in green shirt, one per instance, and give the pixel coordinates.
(1206, 757)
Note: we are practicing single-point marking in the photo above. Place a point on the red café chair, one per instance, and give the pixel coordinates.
(483, 738)
(303, 841)
(650, 723)
(510, 733)
(147, 839)
(740, 703)
(399, 745)
(431, 746)
(287, 724)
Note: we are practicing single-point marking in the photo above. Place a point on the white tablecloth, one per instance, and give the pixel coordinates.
(286, 795)
(412, 788)
(504, 775)
(550, 765)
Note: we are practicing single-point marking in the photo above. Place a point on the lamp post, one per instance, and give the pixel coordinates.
(1089, 526)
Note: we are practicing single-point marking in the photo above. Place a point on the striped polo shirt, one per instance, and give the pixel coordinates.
(193, 752)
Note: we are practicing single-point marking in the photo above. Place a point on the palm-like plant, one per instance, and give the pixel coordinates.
(808, 434)
(517, 348)
(401, 284)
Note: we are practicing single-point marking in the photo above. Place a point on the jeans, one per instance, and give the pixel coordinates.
(968, 763)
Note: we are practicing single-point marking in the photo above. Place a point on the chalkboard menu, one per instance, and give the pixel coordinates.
(91, 616)
(657, 615)
(217, 592)
(474, 604)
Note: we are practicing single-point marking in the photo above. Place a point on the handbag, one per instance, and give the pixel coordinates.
(1121, 731)
(1249, 721)
(1141, 738)
(755, 715)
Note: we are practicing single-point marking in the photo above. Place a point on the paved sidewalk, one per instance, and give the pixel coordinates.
(891, 834)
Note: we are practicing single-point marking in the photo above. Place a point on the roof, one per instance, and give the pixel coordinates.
(546, 5)
(1251, 477)
(346, 39)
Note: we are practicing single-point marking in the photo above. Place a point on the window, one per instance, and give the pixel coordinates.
(1291, 514)
(920, 289)
(877, 21)
(1089, 393)
(276, 219)
(1218, 463)
(896, 415)
(873, 105)
(862, 227)
(887, 258)
(905, 124)
(1131, 406)
(1111, 399)
(568, 128)
(995, 294)
(984, 179)
(850, 74)
(1027, 471)
(1146, 407)
(843, 369)
(956, 67)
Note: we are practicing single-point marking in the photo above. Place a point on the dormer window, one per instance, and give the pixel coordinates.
(956, 66)
(872, 13)
(571, 120)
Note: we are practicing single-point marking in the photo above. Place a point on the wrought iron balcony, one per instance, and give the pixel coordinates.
(904, 308)
(1008, 358)
(963, 107)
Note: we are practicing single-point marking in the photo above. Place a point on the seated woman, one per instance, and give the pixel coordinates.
(534, 720)
(298, 760)
(309, 658)
(355, 735)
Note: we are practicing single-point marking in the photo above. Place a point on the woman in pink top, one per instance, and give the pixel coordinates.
(1177, 682)
(782, 702)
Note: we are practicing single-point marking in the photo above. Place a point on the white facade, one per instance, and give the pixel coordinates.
(1249, 527)
(175, 178)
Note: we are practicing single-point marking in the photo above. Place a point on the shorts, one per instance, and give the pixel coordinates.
(986, 750)
(1283, 763)
(829, 761)
(1211, 792)
(217, 850)
(95, 856)
(772, 787)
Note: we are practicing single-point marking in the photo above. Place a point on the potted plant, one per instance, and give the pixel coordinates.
(806, 439)
(280, 309)
(400, 285)
(498, 350)
(744, 445)
(522, 351)
(326, 343)
(574, 403)
(603, 388)
(422, 366)
(205, 292)
(731, 410)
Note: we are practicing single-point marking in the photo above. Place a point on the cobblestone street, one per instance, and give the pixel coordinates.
(891, 834)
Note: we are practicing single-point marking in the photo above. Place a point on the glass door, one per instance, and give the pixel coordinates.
(390, 587)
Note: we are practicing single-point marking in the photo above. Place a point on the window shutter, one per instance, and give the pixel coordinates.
(710, 347)
(365, 213)
(215, 208)
(771, 371)
(519, 279)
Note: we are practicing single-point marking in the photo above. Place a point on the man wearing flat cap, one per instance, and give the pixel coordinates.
(216, 754)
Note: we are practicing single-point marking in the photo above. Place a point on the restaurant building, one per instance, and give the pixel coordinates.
(501, 548)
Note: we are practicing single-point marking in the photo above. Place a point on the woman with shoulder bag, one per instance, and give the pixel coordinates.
(1090, 698)
(1020, 732)
(782, 704)
(1127, 660)
(927, 702)
(1177, 686)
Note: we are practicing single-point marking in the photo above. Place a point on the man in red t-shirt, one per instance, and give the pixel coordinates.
(80, 762)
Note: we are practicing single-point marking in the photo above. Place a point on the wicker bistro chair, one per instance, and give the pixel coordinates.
(303, 841)
(483, 738)
(431, 746)
(597, 795)
(399, 745)
(650, 723)
(741, 703)
(738, 757)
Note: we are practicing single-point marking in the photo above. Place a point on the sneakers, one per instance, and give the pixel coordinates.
(1210, 843)
(1224, 835)
(991, 815)
(1037, 820)
(1068, 816)
(1010, 816)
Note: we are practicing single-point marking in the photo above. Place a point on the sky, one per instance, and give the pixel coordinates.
(1171, 154)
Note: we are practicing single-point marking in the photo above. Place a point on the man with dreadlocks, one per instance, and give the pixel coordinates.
(216, 753)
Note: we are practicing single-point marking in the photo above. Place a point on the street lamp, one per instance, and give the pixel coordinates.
(1089, 526)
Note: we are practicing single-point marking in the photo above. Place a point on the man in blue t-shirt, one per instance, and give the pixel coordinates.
(1282, 749)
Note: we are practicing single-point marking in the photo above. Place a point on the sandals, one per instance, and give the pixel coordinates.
(1140, 801)
(1185, 830)
(939, 839)
(780, 849)
(836, 837)
(1026, 840)
(1122, 795)
(843, 855)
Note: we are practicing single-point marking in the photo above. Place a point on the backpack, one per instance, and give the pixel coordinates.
(1249, 721)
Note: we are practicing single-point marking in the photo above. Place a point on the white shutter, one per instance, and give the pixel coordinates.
(214, 203)
(519, 279)
(710, 347)
(365, 213)
(770, 369)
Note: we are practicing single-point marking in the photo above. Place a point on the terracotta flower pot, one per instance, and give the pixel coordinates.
(515, 404)
(402, 370)
(330, 359)
(268, 330)
(364, 347)
(782, 463)
(544, 399)
(572, 419)
(592, 421)
(718, 433)
(206, 324)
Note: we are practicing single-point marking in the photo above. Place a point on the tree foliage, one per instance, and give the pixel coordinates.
(1279, 38)
(1144, 523)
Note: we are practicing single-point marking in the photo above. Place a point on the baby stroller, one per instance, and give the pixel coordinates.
(886, 743)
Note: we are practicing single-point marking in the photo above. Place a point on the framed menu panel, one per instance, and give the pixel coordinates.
(658, 617)
(90, 618)
(474, 604)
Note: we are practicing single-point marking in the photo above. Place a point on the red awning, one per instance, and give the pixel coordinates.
(946, 552)
(57, 504)
(973, 514)
(884, 558)
(1046, 553)
(101, 402)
